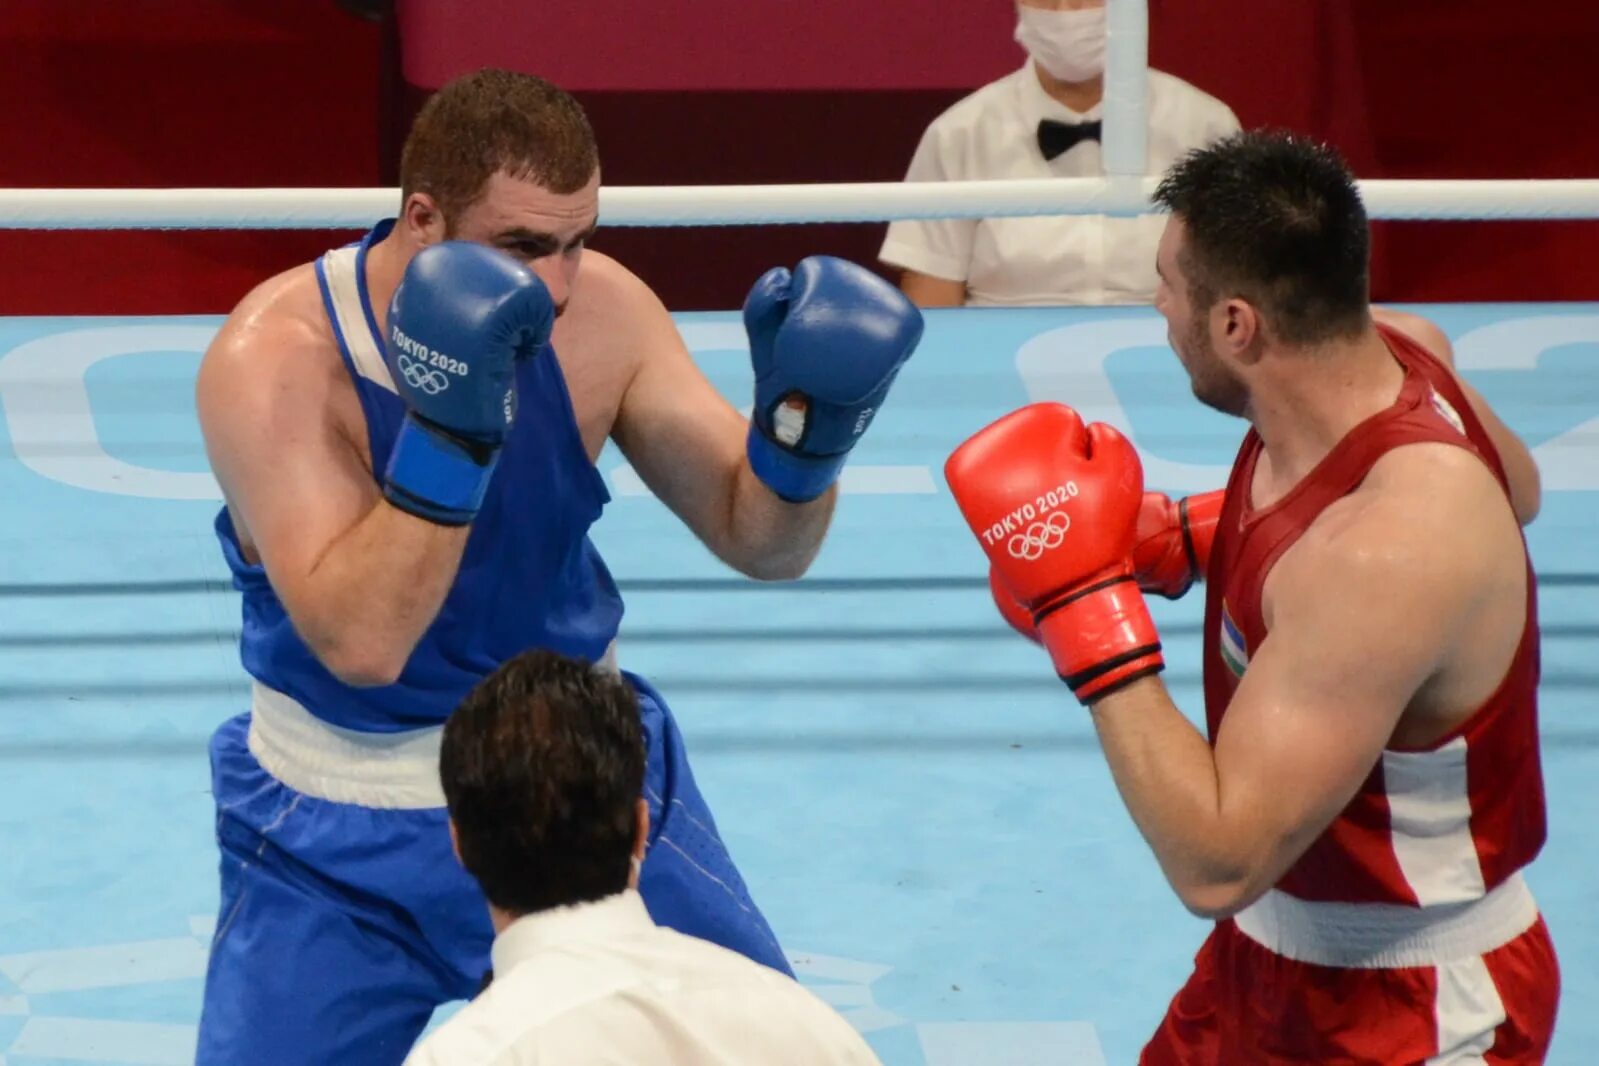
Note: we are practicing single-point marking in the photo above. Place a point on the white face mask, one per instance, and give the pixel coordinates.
(1068, 44)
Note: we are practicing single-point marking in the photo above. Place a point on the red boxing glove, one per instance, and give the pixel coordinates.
(1054, 506)
(1010, 608)
(1172, 548)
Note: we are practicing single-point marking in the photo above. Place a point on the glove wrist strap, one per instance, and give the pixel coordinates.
(791, 476)
(437, 476)
(1100, 637)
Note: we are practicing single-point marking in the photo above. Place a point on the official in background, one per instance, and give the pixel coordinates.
(1043, 121)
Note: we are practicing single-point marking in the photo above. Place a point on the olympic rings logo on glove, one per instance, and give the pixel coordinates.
(1040, 537)
(419, 376)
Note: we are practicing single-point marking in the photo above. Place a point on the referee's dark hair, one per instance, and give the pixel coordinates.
(543, 768)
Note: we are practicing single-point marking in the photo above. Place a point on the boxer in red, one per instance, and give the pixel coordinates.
(1357, 819)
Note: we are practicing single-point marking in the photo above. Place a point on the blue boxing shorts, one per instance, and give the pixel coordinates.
(345, 919)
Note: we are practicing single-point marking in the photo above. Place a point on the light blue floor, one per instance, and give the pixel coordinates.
(918, 805)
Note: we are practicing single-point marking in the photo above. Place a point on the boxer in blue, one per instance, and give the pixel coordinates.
(405, 433)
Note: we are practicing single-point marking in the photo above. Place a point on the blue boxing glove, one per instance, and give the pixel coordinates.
(826, 342)
(463, 316)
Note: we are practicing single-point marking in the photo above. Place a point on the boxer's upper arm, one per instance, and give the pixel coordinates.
(1363, 611)
(1526, 488)
(681, 436)
(289, 471)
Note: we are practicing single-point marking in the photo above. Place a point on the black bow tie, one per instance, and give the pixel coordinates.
(1057, 138)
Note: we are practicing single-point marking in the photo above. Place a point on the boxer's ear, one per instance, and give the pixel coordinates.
(422, 218)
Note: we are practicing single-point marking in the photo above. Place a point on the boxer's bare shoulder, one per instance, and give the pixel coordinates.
(1432, 539)
(272, 393)
(286, 307)
(278, 340)
(1526, 491)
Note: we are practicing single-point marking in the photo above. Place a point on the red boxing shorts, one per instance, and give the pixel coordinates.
(1291, 981)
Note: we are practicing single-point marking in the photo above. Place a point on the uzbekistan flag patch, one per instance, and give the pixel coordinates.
(1233, 651)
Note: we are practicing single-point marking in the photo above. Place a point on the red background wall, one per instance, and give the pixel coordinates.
(186, 92)
(1421, 89)
(720, 45)
(299, 92)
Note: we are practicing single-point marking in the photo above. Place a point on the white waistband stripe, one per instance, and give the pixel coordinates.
(1383, 935)
(380, 770)
(397, 771)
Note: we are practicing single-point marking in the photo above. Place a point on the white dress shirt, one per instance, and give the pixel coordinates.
(1074, 259)
(602, 983)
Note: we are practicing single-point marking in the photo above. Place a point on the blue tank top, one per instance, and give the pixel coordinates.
(530, 577)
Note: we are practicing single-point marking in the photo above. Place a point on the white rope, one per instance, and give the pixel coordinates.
(724, 205)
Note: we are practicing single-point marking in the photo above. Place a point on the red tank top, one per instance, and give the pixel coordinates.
(1442, 824)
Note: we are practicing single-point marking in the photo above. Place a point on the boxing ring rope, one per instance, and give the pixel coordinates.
(727, 205)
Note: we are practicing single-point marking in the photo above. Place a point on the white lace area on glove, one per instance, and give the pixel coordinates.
(788, 421)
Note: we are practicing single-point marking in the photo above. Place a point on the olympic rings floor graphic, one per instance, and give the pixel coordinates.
(901, 779)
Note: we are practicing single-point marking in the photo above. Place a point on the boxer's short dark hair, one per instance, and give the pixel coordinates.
(543, 766)
(480, 124)
(1277, 220)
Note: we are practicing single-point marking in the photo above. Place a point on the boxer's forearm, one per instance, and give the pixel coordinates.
(769, 538)
(367, 600)
(1166, 774)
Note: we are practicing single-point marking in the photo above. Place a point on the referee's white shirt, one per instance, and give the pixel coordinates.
(602, 983)
(1081, 259)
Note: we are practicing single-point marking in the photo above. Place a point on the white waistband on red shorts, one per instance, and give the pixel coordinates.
(1387, 935)
(390, 771)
